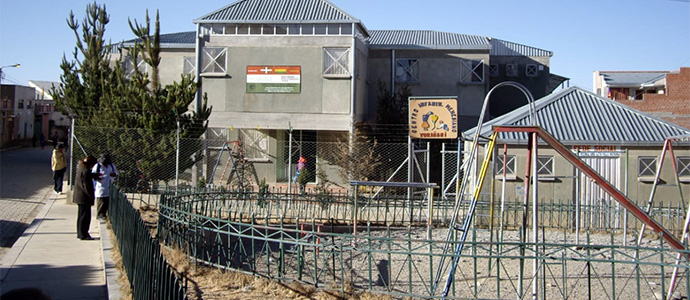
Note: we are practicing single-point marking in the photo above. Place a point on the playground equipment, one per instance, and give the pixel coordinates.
(236, 162)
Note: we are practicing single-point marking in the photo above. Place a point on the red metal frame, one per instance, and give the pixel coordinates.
(613, 191)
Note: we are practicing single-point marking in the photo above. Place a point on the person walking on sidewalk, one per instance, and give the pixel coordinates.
(107, 172)
(59, 166)
(84, 196)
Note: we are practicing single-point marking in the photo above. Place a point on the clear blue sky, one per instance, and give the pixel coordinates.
(584, 35)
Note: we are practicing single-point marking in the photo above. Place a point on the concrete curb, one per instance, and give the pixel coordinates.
(111, 272)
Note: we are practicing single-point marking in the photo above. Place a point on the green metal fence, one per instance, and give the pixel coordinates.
(287, 238)
(149, 274)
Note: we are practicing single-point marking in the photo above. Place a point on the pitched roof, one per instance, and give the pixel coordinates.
(506, 48)
(425, 39)
(282, 11)
(575, 116)
(431, 39)
(184, 39)
(632, 78)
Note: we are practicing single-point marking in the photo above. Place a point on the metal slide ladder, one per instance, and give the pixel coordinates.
(231, 161)
(466, 223)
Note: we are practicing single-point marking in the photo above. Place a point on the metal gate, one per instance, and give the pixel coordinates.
(598, 208)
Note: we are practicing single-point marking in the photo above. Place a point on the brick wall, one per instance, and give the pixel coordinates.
(674, 105)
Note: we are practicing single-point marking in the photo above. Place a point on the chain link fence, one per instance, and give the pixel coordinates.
(252, 158)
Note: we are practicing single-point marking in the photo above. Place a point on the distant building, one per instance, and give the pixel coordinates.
(663, 94)
(16, 109)
(52, 122)
(28, 112)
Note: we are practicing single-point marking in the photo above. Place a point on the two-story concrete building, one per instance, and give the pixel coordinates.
(307, 69)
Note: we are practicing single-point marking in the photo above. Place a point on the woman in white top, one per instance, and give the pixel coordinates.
(107, 171)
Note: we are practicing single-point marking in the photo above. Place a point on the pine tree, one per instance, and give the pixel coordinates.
(105, 101)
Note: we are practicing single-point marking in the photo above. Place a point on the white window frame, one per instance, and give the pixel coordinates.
(337, 62)
(189, 65)
(646, 168)
(683, 165)
(511, 70)
(531, 70)
(472, 70)
(546, 167)
(129, 66)
(255, 144)
(212, 58)
(511, 166)
(407, 70)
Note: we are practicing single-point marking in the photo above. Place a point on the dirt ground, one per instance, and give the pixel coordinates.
(205, 283)
(212, 283)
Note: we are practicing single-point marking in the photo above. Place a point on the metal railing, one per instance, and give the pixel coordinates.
(150, 276)
(227, 229)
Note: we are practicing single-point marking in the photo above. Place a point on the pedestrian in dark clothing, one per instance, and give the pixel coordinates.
(43, 141)
(84, 196)
(59, 166)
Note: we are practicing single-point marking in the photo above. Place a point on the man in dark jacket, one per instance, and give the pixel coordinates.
(84, 196)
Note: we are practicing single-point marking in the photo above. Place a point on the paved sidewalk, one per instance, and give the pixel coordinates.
(49, 256)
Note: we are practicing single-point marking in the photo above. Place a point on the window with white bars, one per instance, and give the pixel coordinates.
(683, 165)
(407, 70)
(493, 70)
(531, 70)
(214, 60)
(545, 165)
(189, 67)
(512, 70)
(254, 144)
(511, 162)
(336, 61)
(129, 66)
(646, 166)
(472, 71)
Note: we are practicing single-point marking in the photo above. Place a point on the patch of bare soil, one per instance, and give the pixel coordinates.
(206, 283)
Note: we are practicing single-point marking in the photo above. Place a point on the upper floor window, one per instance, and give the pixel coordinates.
(214, 60)
(336, 61)
(129, 66)
(531, 70)
(189, 66)
(277, 29)
(512, 70)
(493, 70)
(472, 71)
(20, 104)
(407, 70)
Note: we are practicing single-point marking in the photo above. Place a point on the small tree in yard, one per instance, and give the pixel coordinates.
(358, 158)
(103, 99)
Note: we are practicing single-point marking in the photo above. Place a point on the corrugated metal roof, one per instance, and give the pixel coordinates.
(575, 116)
(429, 39)
(506, 48)
(171, 40)
(626, 79)
(284, 11)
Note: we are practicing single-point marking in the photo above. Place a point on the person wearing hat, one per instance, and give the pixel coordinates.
(107, 172)
(59, 166)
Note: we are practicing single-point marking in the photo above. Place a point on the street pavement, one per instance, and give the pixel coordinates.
(40, 228)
